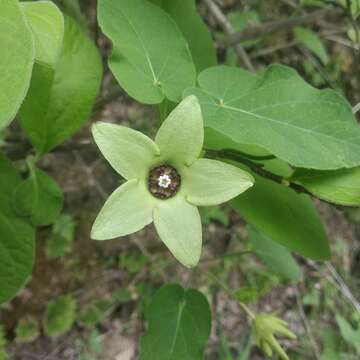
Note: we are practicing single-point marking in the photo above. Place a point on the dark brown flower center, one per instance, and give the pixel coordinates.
(164, 181)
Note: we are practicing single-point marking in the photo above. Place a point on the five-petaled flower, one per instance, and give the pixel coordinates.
(166, 181)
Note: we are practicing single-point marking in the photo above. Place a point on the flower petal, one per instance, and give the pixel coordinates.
(211, 182)
(181, 136)
(129, 152)
(178, 224)
(128, 209)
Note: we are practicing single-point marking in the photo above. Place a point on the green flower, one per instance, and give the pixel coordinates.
(264, 329)
(166, 181)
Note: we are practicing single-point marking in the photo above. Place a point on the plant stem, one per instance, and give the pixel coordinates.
(257, 31)
(306, 325)
(228, 255)
(356, 108)
(228, 29)
(247, 310)
(257, 168)
(238, 153)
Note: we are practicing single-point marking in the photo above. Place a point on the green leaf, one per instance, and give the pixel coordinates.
(151, 59)
(57, 246)
(27, 330)
(338, 186)
(64, 226)
(39, 197)
(239, 21)
(95, 312)
(47, 24)
(353, 35)
(354, 6)
(62, 236)
(201, 45)
(330, 345)
(281, 113)
(247, 294)
(350, 335)
(16, 237)
(73, 9)
(276, 257)
(284, 216)
(179, 324)
(9, 180)
(310, 40)
(132, 261)
(60, 99)
(17, 248)
(60, 316)
(122, 295)
(96, 342)
(16, 60)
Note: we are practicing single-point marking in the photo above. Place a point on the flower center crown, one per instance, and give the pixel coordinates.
(164, 181)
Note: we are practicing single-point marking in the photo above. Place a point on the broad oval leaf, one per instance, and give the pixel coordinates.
(60, 316)
(17, 248)
(16, 60)
(275, 256)
(151, 59)
(16, 237)
(201, 44)
(338, 186)
(281, 113)
(179, 324)
(47, 24)
(284, 216)
(60, 99)
(39, 198)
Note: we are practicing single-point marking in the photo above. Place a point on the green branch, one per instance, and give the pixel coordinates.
(257, 168)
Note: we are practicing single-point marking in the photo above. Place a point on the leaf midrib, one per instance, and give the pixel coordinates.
(147, 55)
(280, 123)
(177, 328)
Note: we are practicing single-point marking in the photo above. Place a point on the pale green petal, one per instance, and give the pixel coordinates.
(211, 182)
(277, 348)
(280, 329)
(129, 152)
(266, 348)
(180, 138)
(179, 227)
(285, 332)
(127, 210)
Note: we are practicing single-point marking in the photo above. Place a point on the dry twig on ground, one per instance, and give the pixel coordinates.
(229, 30)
